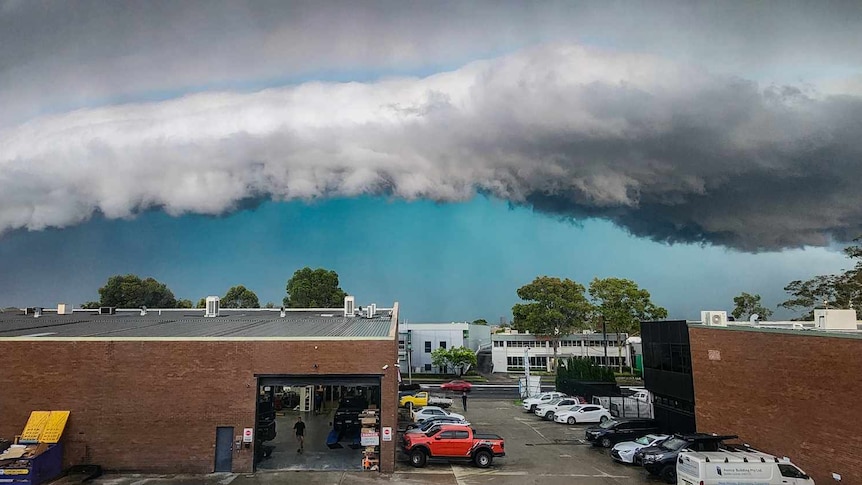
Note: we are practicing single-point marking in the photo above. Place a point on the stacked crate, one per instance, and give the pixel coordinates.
(370, 438)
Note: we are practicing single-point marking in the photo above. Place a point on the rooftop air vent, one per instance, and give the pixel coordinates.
(371, 310)
(212, 308)
(349, 305)
(64, 309)
(282, 313)
(37, 312)
(107, 310)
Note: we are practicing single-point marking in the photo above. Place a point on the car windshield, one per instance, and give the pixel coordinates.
(608, 424)
(555, 401)
(674, 444)
(574, 408)
(643, 440)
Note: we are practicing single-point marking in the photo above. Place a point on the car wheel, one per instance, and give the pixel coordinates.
(668, 474)
(418, 458)
(532, 408)
(572, 420)
(603, 419)
(549, 415)
(483, 459)
(606, 442)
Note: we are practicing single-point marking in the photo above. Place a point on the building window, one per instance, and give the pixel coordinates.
(427, 367)
(443, 344)
(427, 346)
(465, 335)
(499, 343)
(536, 363)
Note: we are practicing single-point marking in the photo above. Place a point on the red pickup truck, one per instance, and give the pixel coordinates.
(453, 442)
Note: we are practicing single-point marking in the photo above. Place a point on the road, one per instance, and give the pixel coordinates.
(486, 391)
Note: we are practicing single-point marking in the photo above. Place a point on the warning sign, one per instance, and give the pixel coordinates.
(387, 433)
(247, 435)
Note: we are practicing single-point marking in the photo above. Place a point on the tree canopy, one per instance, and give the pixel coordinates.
(746, 305)
(841, 290)
(480, 321)
(314, 288)
(555, 307)
(130, 291)
(239, 297)
(623, 305)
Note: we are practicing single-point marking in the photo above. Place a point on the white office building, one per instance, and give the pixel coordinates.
(416, 341)
(508, 348)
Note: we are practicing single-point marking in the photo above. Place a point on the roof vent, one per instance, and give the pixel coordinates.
(37, 312)
(143, 310)
(371, 310)
(349, 305)
(212, 308)
(64, 309)
(107, 310)
(282, 313)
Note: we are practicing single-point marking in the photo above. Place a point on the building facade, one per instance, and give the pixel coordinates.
(158, 390)
(416, 342)
(508, 350)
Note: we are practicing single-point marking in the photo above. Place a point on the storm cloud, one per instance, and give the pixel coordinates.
(667, 150)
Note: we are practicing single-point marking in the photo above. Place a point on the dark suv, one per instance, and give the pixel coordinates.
(660, 460)
(347, 415)
(620, 429)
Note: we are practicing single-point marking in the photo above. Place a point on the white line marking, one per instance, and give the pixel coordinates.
(527, 422)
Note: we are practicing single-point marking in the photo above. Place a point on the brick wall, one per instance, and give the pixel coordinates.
(789, 394)
(154, 406)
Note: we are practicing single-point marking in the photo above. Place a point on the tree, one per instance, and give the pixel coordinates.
(622, 305)
(202, 303)
(462, 359)
(746, 305)
(556, 307)
(184, 303)
(239, 297)
(130, 291)
(842, 290)
(480, 321)
(314, 288)
(269, 304)
(441, 357)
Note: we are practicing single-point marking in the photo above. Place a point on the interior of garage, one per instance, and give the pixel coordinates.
(341, 418)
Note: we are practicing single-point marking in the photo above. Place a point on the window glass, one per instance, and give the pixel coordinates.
(443, 345)
(447, 435)
(433, 431)
(790, 471)
(427, 346)
(461, 435)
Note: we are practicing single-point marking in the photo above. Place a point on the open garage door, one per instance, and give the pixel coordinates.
(339, 416)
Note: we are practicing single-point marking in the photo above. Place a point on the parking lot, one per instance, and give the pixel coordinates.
(537, 452)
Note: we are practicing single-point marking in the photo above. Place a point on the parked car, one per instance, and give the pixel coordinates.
(619, 429)
(435, 420)
(717, 467)
(423, 398)
(457, 386)
(547, 411)
(453, 442)
(420, 415)
(625, 452)
(660, 460)
(532, 402)
(582, 413)
(347, 415)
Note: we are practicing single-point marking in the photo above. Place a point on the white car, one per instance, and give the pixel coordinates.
(422, 414)
(542, 398)
(625, 451)
(585, 413)
(547, 411)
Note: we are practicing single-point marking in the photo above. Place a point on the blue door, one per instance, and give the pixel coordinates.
(224, 449)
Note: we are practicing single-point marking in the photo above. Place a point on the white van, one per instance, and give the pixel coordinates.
(737, 468)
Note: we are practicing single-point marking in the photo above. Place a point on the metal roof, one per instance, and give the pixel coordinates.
(192, 324)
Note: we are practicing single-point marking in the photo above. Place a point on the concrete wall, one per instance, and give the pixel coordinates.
(154, 405)
(789, 393)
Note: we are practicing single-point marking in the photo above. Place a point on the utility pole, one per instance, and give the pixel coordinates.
(604, 339)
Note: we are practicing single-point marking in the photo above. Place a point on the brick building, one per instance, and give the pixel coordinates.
(151, 390)
(786, 388)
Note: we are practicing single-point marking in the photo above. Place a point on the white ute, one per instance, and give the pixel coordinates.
(542, 398)
(737, 468)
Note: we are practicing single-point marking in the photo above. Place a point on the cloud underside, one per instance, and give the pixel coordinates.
(667, 151)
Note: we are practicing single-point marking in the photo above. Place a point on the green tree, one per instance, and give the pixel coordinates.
(184, 303)
(746, 305)
(239, 297)
(441, 357)
(462, 359)
(202, 303)
(843, 290)
(91, 305)
(269, 304)
(555, 308)
(623, 305)
(130, 291)
(480, 321)
(314, 288)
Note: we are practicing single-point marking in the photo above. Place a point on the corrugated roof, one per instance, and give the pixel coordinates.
(179, 324)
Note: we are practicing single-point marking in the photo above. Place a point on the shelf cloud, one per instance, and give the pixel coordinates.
(669, 151)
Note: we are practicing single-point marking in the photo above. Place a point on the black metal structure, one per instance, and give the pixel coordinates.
(667, 374)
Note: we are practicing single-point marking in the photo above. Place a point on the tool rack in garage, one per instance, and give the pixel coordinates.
(36, 456)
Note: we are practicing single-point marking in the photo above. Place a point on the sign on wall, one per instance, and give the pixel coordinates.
(247, 435)
(387, 433)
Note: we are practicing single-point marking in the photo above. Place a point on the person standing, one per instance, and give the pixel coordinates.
(299, 428)
(464, 399)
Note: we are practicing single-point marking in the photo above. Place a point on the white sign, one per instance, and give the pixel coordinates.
(387, 433)
(247, 435)
(369, 439)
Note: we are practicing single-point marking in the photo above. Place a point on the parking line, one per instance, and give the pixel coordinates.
(527, 422)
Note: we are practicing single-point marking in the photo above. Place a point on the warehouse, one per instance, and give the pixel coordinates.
(198, 391)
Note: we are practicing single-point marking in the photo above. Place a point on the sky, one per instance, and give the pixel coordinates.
(436, 154)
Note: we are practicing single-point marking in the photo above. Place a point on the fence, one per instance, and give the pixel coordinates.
(625, 407)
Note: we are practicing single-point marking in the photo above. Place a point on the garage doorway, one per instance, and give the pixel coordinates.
(338, 414)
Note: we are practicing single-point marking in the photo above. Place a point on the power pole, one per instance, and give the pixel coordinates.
(604, 339)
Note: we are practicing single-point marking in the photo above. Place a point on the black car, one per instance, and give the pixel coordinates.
(619, 429)
(661, 460)
(347, 415)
